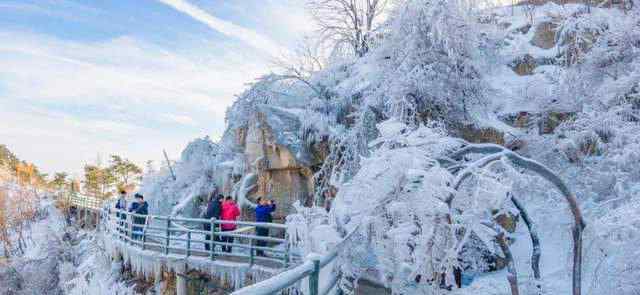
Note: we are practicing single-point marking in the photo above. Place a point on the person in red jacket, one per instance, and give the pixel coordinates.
(230, 212)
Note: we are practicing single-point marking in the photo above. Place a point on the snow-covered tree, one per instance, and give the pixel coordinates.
(351, 23)
(430, 68)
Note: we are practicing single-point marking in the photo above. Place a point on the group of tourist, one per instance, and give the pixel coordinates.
(139, 207)
(219, 208)
(225, 209)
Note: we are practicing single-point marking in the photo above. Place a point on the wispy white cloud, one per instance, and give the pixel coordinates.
(124, 71)
(180, 119)
(232, 30)
(123, 96)
(69, 92)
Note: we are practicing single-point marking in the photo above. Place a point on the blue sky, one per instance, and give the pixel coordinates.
(83, 78)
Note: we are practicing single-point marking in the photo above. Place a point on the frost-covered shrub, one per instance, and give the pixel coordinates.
(587, 143)
(396, 204)
(613, 249)
(579, 32)
(604, 49)
(431, 72)
(195, 177)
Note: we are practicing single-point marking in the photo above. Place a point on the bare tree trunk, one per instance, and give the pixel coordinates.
(512, 273)
(496, 152)
(577, 259)
(535, 240)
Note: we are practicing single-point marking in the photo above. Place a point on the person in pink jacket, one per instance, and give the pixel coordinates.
(230, 212)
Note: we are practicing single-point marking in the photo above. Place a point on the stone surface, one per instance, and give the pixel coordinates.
(283, 173)
(473, 134)
(524, 65)
(545, 35)
(551, 120)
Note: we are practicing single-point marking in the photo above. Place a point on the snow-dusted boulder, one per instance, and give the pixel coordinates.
(274, 151)
(545, 35)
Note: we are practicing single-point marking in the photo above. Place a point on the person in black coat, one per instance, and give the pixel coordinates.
(139, 207)
(121, 205)
(214, 209)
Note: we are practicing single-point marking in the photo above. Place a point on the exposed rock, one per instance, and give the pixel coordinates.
(545, 35)
(508, 221)
(278, 159)
(198, 283)
(588, 144)
(551, 120)
(524, 66)
(522, 120)
(473, 134)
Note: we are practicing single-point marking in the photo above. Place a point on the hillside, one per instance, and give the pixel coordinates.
(559, 84)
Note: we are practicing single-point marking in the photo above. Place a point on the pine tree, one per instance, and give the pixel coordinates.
(124, 171)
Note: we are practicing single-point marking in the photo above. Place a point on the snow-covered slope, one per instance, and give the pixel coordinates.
(559, 84)
(59, 259)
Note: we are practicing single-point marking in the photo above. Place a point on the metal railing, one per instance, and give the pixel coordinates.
(82, 201)
(309, 269)
(191, 236)
(187, 237)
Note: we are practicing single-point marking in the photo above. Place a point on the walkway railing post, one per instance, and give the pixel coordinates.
(84, 209)
(188, 243)
(251, 252)
(167, 236)
(144, 232)
(287, 249)
(130, 227)
(314, 278)
(213, 238)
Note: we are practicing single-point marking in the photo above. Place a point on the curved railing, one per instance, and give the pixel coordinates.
(190, 237)
(177, 236)
(310, 270)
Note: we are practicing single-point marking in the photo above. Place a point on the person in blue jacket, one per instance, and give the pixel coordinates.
(263, 214)
(139, 207)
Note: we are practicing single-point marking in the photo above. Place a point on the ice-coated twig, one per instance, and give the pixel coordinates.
(495, 152)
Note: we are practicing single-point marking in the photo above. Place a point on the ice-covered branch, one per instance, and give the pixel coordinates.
(533, 233)
(495, 152)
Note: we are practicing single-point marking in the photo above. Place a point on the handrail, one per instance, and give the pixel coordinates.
(310, 268)
(170, 238)
(176, 236)
(82, 201)
(286, 279)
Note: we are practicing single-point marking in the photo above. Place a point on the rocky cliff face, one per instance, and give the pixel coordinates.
(272, 150)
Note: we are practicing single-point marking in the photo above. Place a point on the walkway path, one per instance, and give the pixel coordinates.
(166, 238)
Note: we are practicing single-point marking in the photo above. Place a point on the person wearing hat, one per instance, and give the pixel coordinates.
(139, 207)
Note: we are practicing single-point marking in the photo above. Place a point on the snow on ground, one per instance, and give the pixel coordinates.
(393, 187)
(60, 259)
